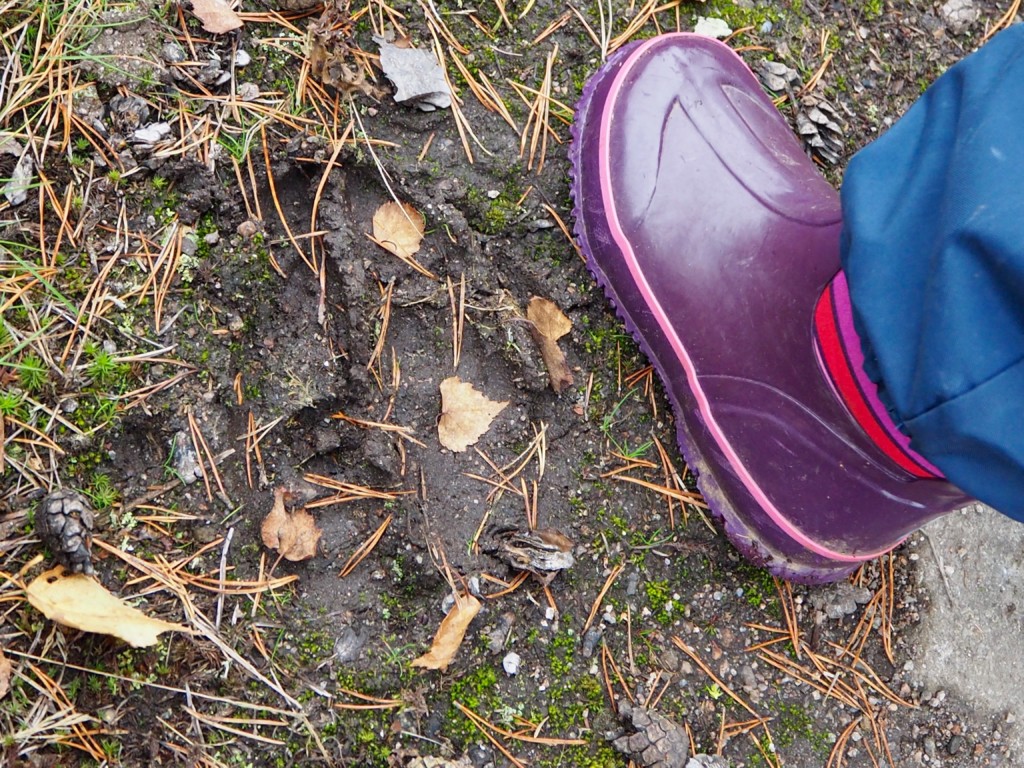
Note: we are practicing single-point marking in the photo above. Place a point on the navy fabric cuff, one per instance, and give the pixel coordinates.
(933, 250)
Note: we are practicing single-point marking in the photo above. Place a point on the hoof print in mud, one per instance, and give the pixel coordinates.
(64, 523)
(656, 742)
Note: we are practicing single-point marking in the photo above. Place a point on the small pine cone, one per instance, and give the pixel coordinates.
(821, 128)
(655, 741)
(64, 523)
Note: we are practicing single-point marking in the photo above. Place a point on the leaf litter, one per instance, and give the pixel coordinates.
(450, 634)
(466, 414)
(81, 602)
(216, 16)
(293, 533)
(547, 325)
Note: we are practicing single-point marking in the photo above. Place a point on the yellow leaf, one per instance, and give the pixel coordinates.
(5, 674)
(293, 533)
(547, 325)
(449, 634)
(398, 228)
(216, 15)
(465, 414)
(81, 602)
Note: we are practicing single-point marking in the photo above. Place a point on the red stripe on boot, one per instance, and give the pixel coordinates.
(840, 371)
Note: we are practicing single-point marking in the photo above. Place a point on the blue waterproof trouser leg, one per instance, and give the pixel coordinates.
(933, 250)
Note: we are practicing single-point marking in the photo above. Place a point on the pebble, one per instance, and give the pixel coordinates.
(955, 745)
(929, 746)
(186, 463)
(511, 663)
(348, 644)
(591, 639)
(632, 582)
(248, 229)
(959, 15)
(248, 91)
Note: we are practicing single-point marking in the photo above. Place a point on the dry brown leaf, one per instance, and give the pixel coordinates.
(5, 674)
(465, 414)
(216, 15)
(449, 634)
(81, 602)
(547, 325)
(398, 229)
(293, 533)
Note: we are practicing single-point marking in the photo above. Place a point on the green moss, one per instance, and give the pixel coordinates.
(661, 602)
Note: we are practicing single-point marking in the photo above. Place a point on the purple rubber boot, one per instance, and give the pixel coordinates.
(716, 238)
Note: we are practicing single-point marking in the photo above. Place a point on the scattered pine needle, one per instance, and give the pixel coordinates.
(364, 549)
(600, 596)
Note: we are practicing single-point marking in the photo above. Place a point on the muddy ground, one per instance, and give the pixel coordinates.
(262, 335)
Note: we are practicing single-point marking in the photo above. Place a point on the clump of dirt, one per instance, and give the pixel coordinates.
(285, 350)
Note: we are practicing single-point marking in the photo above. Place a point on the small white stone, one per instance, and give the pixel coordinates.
(711, 27)
(511, 663)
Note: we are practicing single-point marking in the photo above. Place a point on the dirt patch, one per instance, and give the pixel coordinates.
(329, 352)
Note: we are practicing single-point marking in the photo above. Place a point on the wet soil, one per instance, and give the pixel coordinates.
(289, 348)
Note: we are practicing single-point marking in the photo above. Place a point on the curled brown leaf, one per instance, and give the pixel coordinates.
(293, 533)
(450, 634)
(547, 325)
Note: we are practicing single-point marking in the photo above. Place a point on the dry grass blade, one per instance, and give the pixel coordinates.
(484, 91)
(207, 463)
(348, 491)
(546, 741)
(1004, 21)
(225, 724)
(647, 14)
(364, 549)
(600, 596)
(56, 724)
(600, 41)
(564, 230)
(367, 702)
(458, 319)
(689, 497)
(403, 432)
(204, 627)
(537, 127)
(715, 679)
(373, 364)
(553, 27)
(313, 267)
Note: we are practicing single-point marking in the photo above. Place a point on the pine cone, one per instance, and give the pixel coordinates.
(656, 741)
(64, 523)
(819, 125)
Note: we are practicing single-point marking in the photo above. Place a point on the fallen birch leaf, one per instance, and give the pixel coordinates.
(216, 15)
(450, 633)
(547, 325)
(465, 414)
(294, 534)
(5, 674)
(81, 602)
(398, 229)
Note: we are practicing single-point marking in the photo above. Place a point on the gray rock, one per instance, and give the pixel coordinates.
(416, 75)
(959, 15)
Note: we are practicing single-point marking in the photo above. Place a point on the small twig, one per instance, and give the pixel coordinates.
(223, 576)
